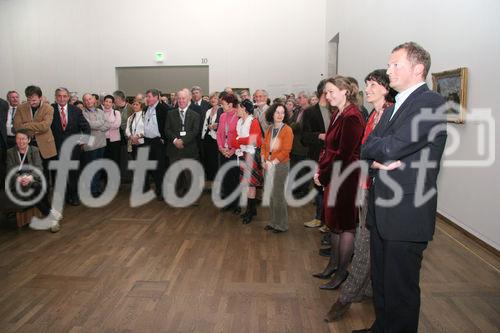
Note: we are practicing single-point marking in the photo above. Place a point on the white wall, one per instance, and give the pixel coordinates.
(277, 45)
(457, 34)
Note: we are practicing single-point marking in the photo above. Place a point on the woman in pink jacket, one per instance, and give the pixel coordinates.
(113, 139)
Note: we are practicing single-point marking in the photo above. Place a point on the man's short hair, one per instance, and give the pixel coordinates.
(320, 88)
(193, 88)
(33, 90)
(154, 92)
(119, 94)
(62, 89)
(263, 91)
(416, 55)
(11, 92)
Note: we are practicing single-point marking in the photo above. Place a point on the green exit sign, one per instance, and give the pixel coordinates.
(159, 56)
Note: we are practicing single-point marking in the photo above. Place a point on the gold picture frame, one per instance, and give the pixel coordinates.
(452, 85)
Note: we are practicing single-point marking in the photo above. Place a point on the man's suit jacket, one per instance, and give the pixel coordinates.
(312, 126)
(173, 129)
(392, 141)
(4, 109)
(38, 125)
(76, 124)
(199, 109)
(161, 117)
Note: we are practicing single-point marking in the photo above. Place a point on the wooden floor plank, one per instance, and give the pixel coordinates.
(159, 269)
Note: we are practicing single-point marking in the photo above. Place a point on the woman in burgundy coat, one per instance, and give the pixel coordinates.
(342, 146)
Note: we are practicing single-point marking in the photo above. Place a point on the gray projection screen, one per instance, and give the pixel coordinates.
(133, 80)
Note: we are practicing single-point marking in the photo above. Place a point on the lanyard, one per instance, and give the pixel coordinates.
(21, 160)
(135, 122)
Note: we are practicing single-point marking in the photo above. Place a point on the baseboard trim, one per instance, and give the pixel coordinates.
(474, 238)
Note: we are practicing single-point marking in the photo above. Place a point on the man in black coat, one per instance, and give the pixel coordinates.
(410, 142)
(182, 128)
(198, 101)
(315, 122)
(68, 120)
(154, 136)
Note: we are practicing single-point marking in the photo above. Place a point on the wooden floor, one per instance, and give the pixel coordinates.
(159, 269)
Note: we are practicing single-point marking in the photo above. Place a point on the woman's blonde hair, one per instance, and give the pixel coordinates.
(343, 83)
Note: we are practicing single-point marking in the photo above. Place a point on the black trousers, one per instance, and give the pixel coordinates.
(113, 151)
(395, 275)
(231, 179)
(302, 190)
(157, 152)
(210, 156)
(73, 175)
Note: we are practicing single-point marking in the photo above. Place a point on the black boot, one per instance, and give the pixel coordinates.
(329, 269)
(252, 211)
(332, 263)
(247, 211)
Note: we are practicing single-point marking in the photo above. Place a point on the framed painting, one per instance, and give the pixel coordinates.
(452, 85)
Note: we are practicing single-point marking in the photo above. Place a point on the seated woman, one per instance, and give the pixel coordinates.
(26, 184)
(276, 161)
(247, 143)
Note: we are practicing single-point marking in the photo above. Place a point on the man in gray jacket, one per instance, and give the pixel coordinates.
(94, 149)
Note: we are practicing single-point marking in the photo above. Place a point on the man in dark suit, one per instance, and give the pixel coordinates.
(400, 231)
(154, 137)
(198, 101)
(316, 120)
(182, 128)
(4, 109)
(14, 100)
(68, 120)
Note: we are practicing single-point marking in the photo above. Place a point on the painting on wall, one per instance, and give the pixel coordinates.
(452, 85)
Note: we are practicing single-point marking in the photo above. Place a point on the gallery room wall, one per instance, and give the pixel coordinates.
(277, 45)
(457, 34)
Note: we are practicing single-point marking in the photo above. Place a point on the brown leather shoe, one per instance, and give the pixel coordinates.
(337, 310)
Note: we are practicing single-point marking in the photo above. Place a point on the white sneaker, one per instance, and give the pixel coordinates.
(55, 215)
(48, 222)
(55, 227)
(42, 224)
(313, 223)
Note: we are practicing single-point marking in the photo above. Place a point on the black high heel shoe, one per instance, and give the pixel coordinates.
(326, 274)
(335, 282)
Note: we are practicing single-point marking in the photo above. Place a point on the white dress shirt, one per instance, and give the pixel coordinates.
(151, 130)
(402, 96)
(10, 120)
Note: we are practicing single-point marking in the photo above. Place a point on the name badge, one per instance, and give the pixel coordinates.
(183, 133)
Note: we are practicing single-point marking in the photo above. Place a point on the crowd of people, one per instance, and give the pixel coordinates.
(261, 138)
